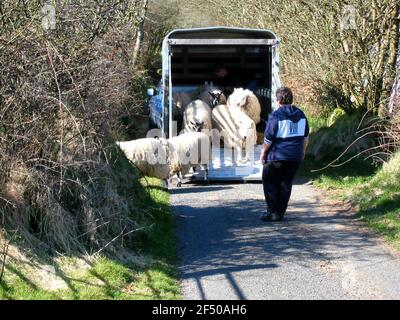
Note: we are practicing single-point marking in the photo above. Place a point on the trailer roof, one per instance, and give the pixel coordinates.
(221, 33)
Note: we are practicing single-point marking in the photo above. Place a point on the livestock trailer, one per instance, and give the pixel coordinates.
(189, 59)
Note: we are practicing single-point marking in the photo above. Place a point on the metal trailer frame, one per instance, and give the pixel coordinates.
(212, 36)
(262, 37)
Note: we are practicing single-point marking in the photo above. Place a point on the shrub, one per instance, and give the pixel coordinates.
(65, 94)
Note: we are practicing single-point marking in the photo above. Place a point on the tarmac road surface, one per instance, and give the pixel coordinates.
(318, 252)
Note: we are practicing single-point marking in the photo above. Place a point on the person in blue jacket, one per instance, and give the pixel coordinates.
(285, 143)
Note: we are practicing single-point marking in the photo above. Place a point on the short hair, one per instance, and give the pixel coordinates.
(284, 95)
(219, 67)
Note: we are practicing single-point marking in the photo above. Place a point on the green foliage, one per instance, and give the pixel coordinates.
(335, 115)
(379, 201)
(316, 123)
(329, 142)
(343, 178)
(374, 189)
(59, 117)
(123, 275)
(345, 51)
(105, 280)
(66, 94)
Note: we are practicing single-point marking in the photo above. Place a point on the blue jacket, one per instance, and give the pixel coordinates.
(285, 131)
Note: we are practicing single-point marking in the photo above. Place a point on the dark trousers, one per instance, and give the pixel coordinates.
(277, 180)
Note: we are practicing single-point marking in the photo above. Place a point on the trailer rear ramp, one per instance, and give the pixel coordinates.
(222, 167)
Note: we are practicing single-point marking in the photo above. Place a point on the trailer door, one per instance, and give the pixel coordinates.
(167, 90)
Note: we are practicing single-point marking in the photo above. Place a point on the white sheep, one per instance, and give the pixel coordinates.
(236, 128)
(149, 155)
(246, 101)
(197, 116)
(188, 150)
(162, 159)
(211, 95)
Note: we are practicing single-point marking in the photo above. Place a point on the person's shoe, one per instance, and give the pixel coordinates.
(279, 217)
(269, 216)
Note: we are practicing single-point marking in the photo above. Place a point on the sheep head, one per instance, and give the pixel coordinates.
(239, 97)
(246, 128)
(196, 125)
(217, 97)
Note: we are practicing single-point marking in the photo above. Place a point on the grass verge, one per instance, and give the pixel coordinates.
(374, 189)
(147, 271)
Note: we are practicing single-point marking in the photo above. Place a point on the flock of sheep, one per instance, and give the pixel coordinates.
(208, 118)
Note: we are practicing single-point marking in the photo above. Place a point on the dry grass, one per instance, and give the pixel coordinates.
(65, 95)
(120, 272)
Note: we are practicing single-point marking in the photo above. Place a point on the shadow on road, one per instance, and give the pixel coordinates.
(228, 273)
(225, 235)
(199, 190)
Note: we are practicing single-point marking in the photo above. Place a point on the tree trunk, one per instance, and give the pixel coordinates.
(394, 102)
(393, 53)
(140, 32)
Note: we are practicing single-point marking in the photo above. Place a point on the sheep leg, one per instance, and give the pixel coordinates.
(247, 153)
(179, 184)
(206, 181)
(165, 184)
(239, 154)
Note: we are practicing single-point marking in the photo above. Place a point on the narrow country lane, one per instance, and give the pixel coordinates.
(318, 252)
